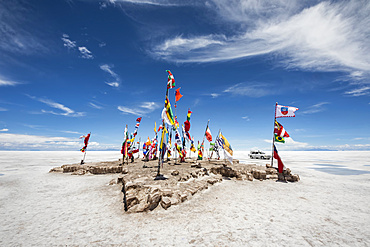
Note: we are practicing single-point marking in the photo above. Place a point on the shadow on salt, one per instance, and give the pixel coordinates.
(338, 170)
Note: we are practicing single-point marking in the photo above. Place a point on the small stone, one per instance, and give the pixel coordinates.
(175, 173)
(165, 202)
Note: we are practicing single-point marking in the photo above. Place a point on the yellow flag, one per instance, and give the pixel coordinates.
(155, 127)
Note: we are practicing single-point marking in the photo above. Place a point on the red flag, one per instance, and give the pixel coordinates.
(208, 134)
(138, 120)
(178, 94)
(86, 141)
(279, 130)
(187, 126)
(280, 163)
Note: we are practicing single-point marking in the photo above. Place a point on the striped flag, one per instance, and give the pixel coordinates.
(171, 80)
(280, 163)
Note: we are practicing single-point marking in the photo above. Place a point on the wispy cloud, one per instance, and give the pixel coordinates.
(65, 111)
(246, 118)
(109, 69)
(93, 105)
(4, 82)
(67, 42)
(34, 142)
(17, 34)
(85, 53)
(3, 109)
(72, 45)
(255, 90)
(144, 108)
(4, 130)
(315, 108)
(365, 90)
(328, 36)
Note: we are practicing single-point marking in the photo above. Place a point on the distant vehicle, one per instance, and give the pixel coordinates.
(258, 154)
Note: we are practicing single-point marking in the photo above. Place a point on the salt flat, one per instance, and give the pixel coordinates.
(328, 207)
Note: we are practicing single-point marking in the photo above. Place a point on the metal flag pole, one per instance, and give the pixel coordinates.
(273, 138)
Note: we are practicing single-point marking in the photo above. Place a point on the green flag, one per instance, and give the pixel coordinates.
(279, 139)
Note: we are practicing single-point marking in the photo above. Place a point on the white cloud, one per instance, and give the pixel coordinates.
(215, 95)
(109, 69)
(67, 42)
(323, 37)
(65, 110)
(246, 118)
(95, 106)
(85, 52)
(144, 108)
(365, 90)
(251, 90)
(4, 130)
(315, 108)
(112, 84)
(4, 82)
(34, 142)
(3, 109)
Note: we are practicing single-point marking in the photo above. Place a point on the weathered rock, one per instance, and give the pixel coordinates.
(165, 202)
(175, 173)
(154, 198)
(79, 172)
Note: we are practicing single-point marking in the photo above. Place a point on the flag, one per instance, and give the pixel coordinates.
(285, 111)
(192, 148)
(155, 127)
(279, 130)
(187, 126)
(200, 154)
(279, 139)
(137, 126)
(86, 141)
(189, 114)
(167, 114)
(178, 94)
(171, 80)
(177, 137)
(211, 146)
(162, 139)
(208, 134)
(226, 145)
(280, 163)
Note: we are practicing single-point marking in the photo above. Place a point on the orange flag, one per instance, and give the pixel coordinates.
(178, 94)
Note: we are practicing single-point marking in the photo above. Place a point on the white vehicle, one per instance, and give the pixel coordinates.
(258, 154)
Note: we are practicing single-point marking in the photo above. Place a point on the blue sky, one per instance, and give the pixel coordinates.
(71, 67)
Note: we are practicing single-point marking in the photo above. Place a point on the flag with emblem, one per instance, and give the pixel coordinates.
(285, 111)
(171, 80)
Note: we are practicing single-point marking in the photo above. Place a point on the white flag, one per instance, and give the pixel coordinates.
(285, 111)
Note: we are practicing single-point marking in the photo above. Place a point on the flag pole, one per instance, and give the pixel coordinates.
(273, 138)
(159, 176)
(83, 159)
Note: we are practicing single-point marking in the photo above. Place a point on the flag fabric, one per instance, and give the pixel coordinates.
(226, 145)
(155, 127)
(178, 94)
(86, 141)
(211, 146)
(208, 134)
(177, 138)
(279, 139)
(171, 80)
(279, 130)
(192, 148)
(167, 114)
(189, 114)
(137, 126)
(162, 139)
(187, 125)
(280, 163)
(285, 111)
(200, 153)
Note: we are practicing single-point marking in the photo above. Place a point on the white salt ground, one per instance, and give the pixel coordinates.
(326, 208)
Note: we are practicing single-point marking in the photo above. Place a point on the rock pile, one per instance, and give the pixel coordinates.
(181, 181)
